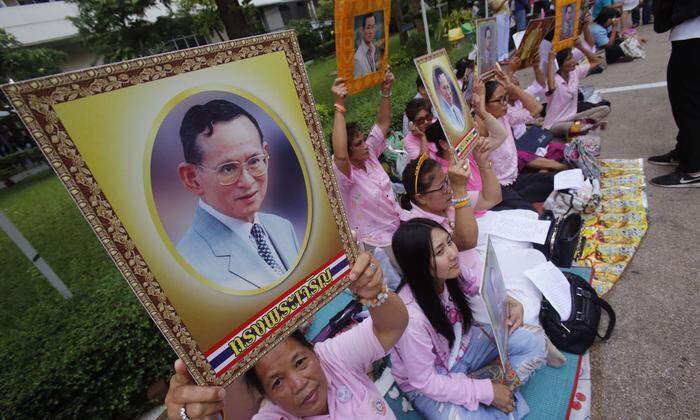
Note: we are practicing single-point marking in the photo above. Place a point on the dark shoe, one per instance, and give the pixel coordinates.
(669, 159)
(677, 180)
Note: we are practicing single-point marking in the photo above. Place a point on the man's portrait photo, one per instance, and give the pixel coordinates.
(487, 53)
(448, 101)
(234, 201)
(369, 43)
(568, 21)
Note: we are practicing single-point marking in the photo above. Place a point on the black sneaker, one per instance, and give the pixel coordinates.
(677, 180)
(669, 159)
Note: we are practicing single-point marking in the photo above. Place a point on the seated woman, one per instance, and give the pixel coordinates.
(553, 156)
(437, 361)
(366, 189)
(300, 380)
(605, 36)
(519, 189)
(448, 200)
(563, 107)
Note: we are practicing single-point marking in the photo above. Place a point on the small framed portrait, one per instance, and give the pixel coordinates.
(503, 36)
(566, 26)
(486, 45)
(534, 34)
(205, 176)
(452, 111)
(362, 40)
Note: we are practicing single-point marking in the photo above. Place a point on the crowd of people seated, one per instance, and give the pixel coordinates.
(434, 326)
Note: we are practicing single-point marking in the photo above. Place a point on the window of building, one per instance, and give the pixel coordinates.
(188, 42)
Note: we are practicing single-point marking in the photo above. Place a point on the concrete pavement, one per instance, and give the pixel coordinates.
(649, 368)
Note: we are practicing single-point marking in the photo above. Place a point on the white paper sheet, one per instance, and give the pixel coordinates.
(518, 38)
(553, 285)
(517, 228)
(573, 178)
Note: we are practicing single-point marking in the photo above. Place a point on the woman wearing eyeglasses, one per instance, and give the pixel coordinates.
(366, 189)
(519, 190)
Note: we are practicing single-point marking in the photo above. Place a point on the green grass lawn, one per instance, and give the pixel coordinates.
(37, 326)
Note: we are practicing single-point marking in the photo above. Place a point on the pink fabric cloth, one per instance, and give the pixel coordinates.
(505, 157)
(555, 151)
(369, 200)
(420, 358)
(563, 102)
(345, 360)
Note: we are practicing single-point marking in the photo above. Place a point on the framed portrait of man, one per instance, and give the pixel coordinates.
(449, 105)
(534, 34)
(205, 176)
(566, 23)
(486, 45)
(362, 41)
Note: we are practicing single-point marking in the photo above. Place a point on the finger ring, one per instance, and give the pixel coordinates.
(372, 267)
(183, 413)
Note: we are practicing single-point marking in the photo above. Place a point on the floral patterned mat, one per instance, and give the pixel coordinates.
(611, 235)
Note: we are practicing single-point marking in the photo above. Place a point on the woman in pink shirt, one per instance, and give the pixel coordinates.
(437, 361)
(519, 189)
(366, 189)
(420, 116)
(299, 380)
(562, 97)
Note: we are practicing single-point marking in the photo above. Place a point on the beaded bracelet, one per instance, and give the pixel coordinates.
(340, 108)
(381, 298)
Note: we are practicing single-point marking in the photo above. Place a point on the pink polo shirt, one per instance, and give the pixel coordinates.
(505, 157)
(369, 200)
(345, 360)
(419, 360)
(562, 104)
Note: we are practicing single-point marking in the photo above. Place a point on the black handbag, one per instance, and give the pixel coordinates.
(577, 333)
(562, 239)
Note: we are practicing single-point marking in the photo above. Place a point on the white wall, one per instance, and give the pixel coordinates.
(38, 23)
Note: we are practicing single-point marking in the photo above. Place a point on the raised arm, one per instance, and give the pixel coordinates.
(539, 74)
(490, 127)
(466, 231)
(529, 102)
(593, 59)
(613, 34)
(587, 29)
(384, 114)
(551, 82)
(490, 187)
(340, 133)
(389, 319)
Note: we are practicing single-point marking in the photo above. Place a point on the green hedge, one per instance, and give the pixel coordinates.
(93, 356)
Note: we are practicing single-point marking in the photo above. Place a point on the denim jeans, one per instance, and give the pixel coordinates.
(526, 352)
(521, 19)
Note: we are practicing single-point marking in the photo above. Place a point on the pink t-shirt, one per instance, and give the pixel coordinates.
(420, 358)
(412, 145)
(505, 157)
(345, 359)
(369, 200)
(562, 104)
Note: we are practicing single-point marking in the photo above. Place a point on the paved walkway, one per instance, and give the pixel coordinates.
(649, 369)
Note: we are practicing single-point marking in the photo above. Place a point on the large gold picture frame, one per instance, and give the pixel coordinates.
(566, 24)
(349, 18)
(100, 130)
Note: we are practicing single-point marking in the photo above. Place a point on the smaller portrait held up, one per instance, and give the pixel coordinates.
(566, 27)
(449, 106)
(486, 45)
(362, 39)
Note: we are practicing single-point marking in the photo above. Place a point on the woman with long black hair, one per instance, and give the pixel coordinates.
(437, 360)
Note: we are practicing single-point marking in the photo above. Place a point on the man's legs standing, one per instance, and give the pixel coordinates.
(684, 96)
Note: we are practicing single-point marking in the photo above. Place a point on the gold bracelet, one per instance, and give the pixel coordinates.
(340, 108)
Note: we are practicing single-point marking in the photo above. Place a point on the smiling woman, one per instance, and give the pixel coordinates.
(229, 191)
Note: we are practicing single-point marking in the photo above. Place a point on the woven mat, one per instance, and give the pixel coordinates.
(611, 236)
